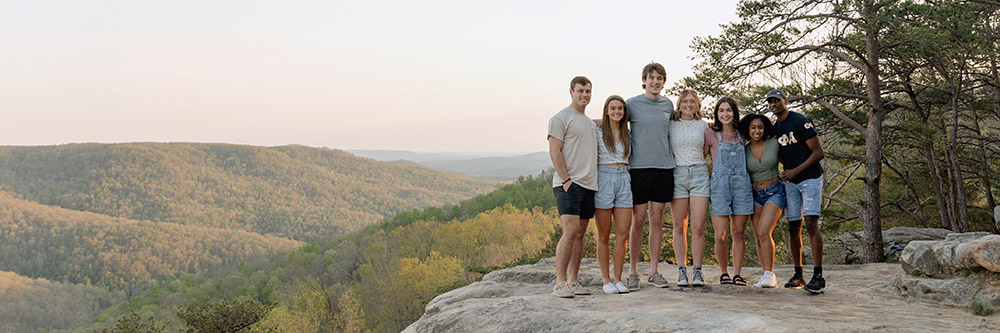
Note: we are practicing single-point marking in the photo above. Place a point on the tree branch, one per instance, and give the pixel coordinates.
(842, 202)
(843, 117)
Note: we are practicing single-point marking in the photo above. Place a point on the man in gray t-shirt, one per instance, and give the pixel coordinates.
(572, 140)
(652, 164)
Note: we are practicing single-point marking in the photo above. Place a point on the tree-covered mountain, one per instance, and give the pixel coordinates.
(376, 279)
(291, 191)
(32, 305)
(58, 244)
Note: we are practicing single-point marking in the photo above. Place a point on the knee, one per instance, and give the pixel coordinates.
(737, 236)
(698, 231)
(720, 235)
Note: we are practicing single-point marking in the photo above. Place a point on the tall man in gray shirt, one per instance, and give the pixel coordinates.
(652, 164)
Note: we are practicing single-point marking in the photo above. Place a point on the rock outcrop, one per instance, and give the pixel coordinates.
(962, 270)
(858, 297)
(846, 249)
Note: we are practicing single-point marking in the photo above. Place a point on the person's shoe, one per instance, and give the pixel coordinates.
(682, 276)
(610, 288)
(578, 289)
(563, 290)
(816, 285)
(759, 282)
(632, 282)
(657, 280)
(796, 282)
(621, 287)
(697, 280)
(771, 282)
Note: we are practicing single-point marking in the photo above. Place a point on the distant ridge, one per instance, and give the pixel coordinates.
(297, 192)
(495, 166)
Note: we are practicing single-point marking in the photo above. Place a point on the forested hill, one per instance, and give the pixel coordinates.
(291, 191)
(41, 241)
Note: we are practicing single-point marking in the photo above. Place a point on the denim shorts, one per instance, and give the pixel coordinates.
(774, 194)
(614, 187)
(731, 195)
(803, 198)
(691, 181)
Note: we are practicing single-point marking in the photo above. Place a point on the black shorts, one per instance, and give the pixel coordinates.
(655, 185)
(578, 201)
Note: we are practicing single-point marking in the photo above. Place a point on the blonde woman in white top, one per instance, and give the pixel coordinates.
(691, 185)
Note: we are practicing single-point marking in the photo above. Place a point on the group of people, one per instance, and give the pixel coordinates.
(643, 154)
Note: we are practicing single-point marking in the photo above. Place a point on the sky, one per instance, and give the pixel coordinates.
(425, 76)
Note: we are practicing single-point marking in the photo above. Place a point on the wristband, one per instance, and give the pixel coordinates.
(566, 181)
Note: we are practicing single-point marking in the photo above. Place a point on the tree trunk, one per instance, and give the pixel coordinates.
(944, 207)
(871, 211)
(956, 166)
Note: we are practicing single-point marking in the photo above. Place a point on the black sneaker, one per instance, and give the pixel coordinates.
(816, 285)
(796, 282)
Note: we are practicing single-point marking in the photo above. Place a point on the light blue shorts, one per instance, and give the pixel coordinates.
(691, 181)
(803, 198)
(614, 187)
(731, 195)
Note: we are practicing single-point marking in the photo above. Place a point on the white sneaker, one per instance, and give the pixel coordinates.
(768, 280)
(610, 288)
(621, 288)
(772, 281)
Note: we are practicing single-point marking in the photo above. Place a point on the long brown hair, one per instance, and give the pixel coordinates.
(626, 138)
(717, 125)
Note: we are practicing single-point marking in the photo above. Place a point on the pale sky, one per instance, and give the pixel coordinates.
(428, 76)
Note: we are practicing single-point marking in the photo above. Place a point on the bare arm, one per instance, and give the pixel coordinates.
(558, 162)
(817, 154)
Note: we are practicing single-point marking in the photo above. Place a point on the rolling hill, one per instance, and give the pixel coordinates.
(296, 192)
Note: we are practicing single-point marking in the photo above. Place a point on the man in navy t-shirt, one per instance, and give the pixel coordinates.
(803, 179)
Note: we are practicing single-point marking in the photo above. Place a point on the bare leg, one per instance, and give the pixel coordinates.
(623, 221)
(721, 250)
(603, 219)
(679, 213)
(699, 208)
(573, 270)
(635, 238)
(564, 249)
(795, 241)
(655, 234)
(768, 220)
(739, 243)
(755, 224)
(815, 239)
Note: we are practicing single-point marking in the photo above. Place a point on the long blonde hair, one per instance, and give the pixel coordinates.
(626, 138)
(697, 104)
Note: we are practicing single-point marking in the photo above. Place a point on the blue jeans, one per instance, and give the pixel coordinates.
(803, 198)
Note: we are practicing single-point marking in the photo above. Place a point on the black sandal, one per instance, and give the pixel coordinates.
(724, 279)
(739, 281)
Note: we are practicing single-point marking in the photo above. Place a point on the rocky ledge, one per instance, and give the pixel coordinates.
(858, 297)
(961, 270)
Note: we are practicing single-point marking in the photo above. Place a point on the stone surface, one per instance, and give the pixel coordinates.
(846, 249)
(948, 257)
(858, 298)
(962, 270)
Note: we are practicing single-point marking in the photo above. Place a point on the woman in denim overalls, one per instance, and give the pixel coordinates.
(731, 198)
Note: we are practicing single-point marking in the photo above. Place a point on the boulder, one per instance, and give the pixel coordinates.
(846, 249)
(962, 270)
